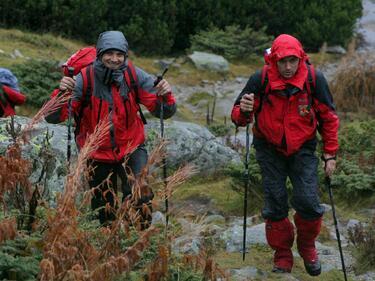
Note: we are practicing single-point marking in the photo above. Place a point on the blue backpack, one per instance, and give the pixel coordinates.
(7, 78)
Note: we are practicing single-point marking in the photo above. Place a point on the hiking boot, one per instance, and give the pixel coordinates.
(313, 268)
(276, 269)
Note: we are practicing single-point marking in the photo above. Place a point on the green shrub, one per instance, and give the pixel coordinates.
(220, 130)
(351, 179)
(164, 26)
(195, 98)
(233, 42)
(355, 170)
(37, 80)
(20, 258)
(237, 174)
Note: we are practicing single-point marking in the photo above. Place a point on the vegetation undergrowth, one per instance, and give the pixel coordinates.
(67, 247)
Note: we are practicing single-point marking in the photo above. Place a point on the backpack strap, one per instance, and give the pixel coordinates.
(311, 82)
(133, 79)
(88, 80)
(263, 89)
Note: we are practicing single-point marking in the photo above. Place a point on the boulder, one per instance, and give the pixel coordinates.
(51, 155)
(192, 143)
(210, 62)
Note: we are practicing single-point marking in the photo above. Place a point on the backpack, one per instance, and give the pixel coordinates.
(7, 78)
(79, 60)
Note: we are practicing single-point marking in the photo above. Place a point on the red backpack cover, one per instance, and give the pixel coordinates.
(79, 60)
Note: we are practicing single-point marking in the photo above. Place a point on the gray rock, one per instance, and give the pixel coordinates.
(54, 160)
(158, 218)
(186, 244)
(352, 223)
(191, 143)
(247, 272)
(217, 219)
(330, 257)
(17, 53)
(163, 63)
(210, 62)
(233, 237)
(369, 276)
(327, 208)
(336, 50)
(241, 80)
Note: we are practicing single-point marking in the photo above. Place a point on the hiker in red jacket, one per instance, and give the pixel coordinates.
(112, 86)
(290, 102)
(10, 94)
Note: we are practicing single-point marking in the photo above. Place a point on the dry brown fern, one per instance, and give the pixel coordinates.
(8, 229)
(353, 86)
(211, 270)
(68, 252)
(159, 268)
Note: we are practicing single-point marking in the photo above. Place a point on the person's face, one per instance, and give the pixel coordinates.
(288, 66)
(113, 59)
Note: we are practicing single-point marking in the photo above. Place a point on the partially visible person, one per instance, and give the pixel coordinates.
(113, 87)
(290, 103)
(10, 94)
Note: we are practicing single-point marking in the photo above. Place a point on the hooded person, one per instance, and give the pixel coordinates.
(289, 101)
(107, 84)
(10, 94)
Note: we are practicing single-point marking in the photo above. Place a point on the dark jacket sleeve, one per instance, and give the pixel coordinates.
(253, 85)
(328, 121)
(149, 99)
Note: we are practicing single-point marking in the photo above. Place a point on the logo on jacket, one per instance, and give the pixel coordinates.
(304, 109)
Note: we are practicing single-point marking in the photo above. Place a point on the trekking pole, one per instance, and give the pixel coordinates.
(69, 146)
(246, 182)
(164, 162)
(328, 185)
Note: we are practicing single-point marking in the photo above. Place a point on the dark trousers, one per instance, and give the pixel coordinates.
(104, 180)
(301, 168)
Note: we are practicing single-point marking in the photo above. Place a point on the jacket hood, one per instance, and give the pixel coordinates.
(286, 45)
(111, 40)
(283, 46)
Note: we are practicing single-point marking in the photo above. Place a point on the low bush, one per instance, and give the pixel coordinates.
(355, 173)
(37, 80)
(233, 42)
(220, 130)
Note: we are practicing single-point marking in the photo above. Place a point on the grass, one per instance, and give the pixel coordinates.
(218, 190)
(261, 257)
(33, 45)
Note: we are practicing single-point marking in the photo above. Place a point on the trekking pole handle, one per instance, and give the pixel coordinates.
(160, 77)
(70, 71)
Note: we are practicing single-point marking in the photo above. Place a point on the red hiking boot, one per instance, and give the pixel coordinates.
(307, 231)
(280, 236)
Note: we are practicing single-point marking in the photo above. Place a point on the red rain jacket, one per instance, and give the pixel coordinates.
(288, 116)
